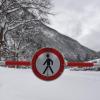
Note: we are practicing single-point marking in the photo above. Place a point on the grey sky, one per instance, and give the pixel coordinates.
(79, 19)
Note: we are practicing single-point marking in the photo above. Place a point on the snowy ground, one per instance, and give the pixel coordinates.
(21, 84)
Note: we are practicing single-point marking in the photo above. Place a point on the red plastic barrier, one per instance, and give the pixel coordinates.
(79, 64)
(21, 63)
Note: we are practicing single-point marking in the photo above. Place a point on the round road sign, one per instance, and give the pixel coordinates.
(48, 64)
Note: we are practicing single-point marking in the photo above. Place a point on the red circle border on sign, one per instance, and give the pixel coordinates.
(60, 57)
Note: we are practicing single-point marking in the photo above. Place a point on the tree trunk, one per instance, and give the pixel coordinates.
(1, 42)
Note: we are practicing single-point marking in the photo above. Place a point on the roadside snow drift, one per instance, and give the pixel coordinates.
(21, 84)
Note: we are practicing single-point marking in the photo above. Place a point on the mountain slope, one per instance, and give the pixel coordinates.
(98, 54)
(69, 47)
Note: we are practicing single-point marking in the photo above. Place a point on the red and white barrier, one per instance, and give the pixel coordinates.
(67, 64)
(16, 63)
(82, 64)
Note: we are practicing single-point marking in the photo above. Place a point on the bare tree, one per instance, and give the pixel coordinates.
(16, 13)
(39, 8)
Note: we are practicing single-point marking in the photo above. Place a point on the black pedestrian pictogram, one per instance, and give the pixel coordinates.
(48, 63)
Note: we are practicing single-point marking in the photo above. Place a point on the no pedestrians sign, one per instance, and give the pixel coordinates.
(48, 64)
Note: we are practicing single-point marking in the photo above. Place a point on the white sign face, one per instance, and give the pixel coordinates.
(47, 64)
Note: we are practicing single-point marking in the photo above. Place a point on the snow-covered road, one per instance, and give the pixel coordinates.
(21, 84)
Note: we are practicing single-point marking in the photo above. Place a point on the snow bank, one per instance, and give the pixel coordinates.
(22, 84)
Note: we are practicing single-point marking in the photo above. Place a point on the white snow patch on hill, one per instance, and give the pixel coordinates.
(20, 84)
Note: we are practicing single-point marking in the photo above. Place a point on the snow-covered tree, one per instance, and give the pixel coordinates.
(19, 19)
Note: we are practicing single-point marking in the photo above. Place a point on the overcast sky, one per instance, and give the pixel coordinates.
(79, 19)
